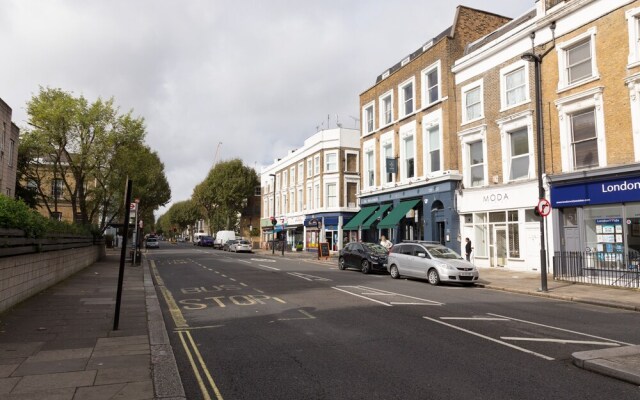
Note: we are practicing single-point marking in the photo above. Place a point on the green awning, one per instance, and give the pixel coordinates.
(397, 213)
(367, 224)
(357, 219)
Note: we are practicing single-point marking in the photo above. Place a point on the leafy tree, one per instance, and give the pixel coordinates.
(92, 148)
(184, 214)
(224, 191)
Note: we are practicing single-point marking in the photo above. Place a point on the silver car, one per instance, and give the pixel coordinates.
(431, 261)
(241, 245)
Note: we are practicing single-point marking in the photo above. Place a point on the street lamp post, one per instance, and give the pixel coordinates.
(536, 59)
(273, 235)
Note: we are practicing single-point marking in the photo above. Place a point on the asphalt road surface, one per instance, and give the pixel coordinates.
(247, 326)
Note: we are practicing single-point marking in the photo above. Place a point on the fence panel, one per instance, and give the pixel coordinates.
(607, 269)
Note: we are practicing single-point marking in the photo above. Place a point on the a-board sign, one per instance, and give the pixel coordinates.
(323, 250)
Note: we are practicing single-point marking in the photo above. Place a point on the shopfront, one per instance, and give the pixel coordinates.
(325, 228)
(600, 217)
(421, 213)
(502, 226)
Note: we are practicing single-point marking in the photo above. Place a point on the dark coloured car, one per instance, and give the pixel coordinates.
(366, 257)
(205, 241)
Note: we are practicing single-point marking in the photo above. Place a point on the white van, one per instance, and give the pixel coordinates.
(222, 237)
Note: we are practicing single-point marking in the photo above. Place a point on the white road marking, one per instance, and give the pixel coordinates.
(308, 277)
(243, 284)
(491, 339)
(366, 298)
(303, 312)
(231, 279)
(258, 290)
(563, 341)
(245, 261)
(561, 329)
(266, 266)
(263, 260)
(477, 318)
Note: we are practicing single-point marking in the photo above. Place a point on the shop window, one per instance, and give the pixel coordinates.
(604, 232)
(514, 234)
(480, 234)
(497, 217)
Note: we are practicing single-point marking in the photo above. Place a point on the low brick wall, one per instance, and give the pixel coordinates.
(25, 275)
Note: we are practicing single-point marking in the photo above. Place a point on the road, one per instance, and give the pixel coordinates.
(244, 326)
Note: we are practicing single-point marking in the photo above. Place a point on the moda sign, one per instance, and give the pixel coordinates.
(601, 192)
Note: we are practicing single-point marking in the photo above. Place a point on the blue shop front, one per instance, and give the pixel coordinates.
(421, 213)
(325, 227)
(599, 215)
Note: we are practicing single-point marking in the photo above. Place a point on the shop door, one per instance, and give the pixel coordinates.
(440, 233)
(571, 239)
(499, 247)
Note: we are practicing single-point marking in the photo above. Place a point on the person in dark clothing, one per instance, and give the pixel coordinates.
(467, 249)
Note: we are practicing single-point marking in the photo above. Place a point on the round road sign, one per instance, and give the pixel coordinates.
(544, 207)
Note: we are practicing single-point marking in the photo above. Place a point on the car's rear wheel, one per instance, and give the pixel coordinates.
(395, 274)
(341, 264)
(366, 266)
(433, 277)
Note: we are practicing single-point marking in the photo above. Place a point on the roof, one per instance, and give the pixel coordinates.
(508, 27)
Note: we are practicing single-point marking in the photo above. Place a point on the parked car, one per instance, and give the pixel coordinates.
(366, 257)
(241, 245)
(205, 241)
(431, 261)
(222, 237)
(180, 239)
(227, 245)
(152, 243)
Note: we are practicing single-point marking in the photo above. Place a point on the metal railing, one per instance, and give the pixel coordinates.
(599, 268)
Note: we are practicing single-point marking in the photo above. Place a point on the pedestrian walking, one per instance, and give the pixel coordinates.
(467, 249)
(386, 243)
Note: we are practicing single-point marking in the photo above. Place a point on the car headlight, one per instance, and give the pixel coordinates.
(446, 266)
(374, 258)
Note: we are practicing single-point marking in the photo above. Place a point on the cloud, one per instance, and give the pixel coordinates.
(258, 76)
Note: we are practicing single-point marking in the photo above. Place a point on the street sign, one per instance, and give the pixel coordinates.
(544, 207)
(133, 206)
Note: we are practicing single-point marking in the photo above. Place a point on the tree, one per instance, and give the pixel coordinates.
(224, 191)
(91, 148)
(184, 214)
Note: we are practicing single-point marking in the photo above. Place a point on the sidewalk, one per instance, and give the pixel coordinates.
(60, 344)
(621, 363)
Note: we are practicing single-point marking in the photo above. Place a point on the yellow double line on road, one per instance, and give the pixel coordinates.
(190, 348)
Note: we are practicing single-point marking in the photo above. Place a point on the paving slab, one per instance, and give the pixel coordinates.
(122, 375)
(65, 354)
(7, 384)
(15, 350)
(35, 383)
(52, 394)
(118, 361)
(50, 367)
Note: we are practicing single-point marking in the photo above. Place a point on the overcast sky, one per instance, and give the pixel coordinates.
(258, 76)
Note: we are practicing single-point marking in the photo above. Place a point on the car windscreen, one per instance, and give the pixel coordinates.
(374, 248)
(443, 252)
(243, 242)
(207, 238)
(152, 240)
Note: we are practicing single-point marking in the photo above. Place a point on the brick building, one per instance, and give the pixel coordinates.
(313, 190)
(495, 92)
(410, 159)
(591, 108)
(9, 136)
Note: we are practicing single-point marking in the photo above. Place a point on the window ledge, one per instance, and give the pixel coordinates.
(507, 108)
(633, 64)
(472, 120)
(577, 84)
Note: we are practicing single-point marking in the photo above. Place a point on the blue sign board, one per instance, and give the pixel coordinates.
(601, 192)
